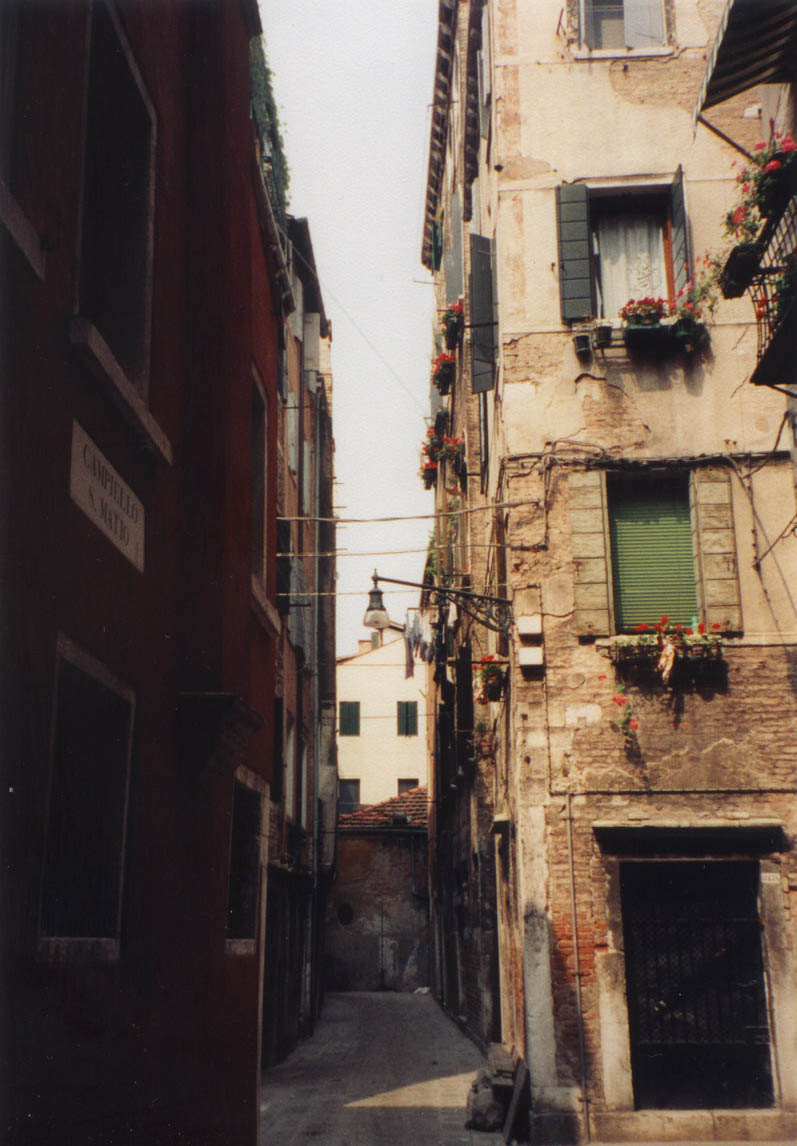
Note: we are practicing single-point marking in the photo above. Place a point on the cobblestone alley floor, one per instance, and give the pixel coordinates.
(381, 1069)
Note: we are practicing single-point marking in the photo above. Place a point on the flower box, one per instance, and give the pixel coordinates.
(740, 267)
(452, 322)
(443, 370)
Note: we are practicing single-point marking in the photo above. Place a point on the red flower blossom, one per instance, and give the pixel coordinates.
(689, 632)
(701, 628)
(679, 628)
(642, 628)
(716, 625)
(664, 621)
(787, 144)
(633, 724)
(773, 165)
(619, 700)
(602, 676)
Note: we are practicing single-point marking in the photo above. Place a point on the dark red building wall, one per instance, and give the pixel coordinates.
(164, 1039)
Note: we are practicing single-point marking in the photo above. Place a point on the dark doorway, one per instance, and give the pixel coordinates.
(695, 982)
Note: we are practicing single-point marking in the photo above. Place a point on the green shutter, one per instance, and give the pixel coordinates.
(680, 248)
(482, 314)
(452, 258)
(652, 557)
(349, 720)
(575, 269)
(407, 717)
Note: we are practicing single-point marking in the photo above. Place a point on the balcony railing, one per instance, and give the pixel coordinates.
(773, 291)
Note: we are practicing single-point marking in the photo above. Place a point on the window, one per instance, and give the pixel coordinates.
(244, 880)
(620, 24)
(649, 544)
(116, 250)
(653, 563)
(348, 796)
(259, 486)
(349, 719)
(85, 841)
(407, 785)
(615, 245)
(407, 718)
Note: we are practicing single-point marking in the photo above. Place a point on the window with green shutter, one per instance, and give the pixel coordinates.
(349, 718)
(653, 561)
(618, 245)
(407, 718)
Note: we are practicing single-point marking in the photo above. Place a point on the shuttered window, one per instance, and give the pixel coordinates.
(349, 718)
(482, 314)
(407, 718)
(653, 563)
(613, 247)
(644, 547)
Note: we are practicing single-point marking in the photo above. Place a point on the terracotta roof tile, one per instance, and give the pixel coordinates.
(411, 804)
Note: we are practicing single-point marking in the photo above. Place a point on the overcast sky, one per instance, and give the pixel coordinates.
(353, 81)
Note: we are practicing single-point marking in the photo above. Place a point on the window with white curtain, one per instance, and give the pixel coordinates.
(629, 257)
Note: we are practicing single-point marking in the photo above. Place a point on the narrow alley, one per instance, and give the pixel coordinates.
(381, 1069)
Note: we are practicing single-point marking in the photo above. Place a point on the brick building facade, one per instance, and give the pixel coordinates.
(611, 845)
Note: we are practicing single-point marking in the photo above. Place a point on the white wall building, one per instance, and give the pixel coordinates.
(381, 723)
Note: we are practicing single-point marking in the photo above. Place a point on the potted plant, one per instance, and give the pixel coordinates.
(582, 343)
(642, 317)
(452, 323)
(443, 368)
(693, 300)
(602, 335)
(429, 473)
(644, 311)
(767, 180)
(492, 678)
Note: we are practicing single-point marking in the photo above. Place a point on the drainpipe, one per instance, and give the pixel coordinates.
(316, 948)
(577, 968)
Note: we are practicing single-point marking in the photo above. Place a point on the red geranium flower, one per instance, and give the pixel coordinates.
(633, 724)
(773, 165)
(619, 700)
(716, 625)
(701, 628)
(642, 628)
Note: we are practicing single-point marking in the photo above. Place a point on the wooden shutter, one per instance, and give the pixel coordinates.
(680, 236)
(715, 543)
(407, 717)
(349, 723)
(437, 244)
(575, 272)
(644, 23)
(653, 565)
(452, 258)
(482, 314)
(590, 565)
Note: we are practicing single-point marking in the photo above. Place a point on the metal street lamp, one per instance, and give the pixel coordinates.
(493, 612)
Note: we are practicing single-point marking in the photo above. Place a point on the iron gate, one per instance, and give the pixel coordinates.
(695, 984)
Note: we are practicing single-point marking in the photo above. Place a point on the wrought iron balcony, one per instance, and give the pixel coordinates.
(773, 291)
